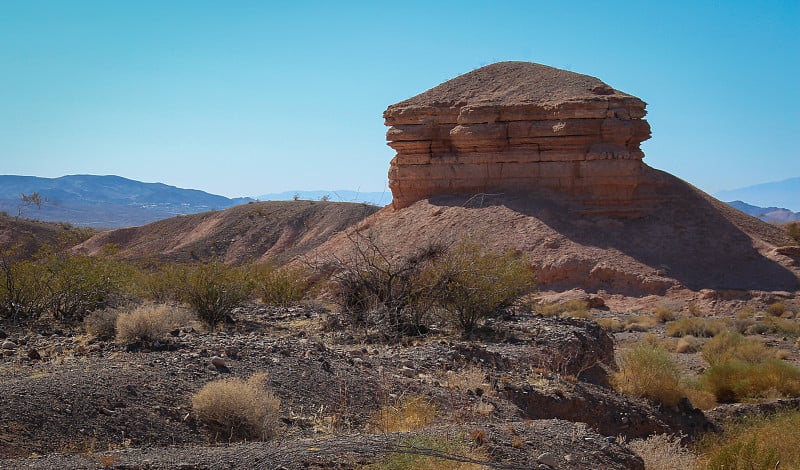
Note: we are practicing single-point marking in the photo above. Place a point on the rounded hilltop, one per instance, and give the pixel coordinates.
(509, 83)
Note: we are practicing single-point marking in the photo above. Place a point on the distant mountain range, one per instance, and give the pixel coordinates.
(781, 194)
(103, 201)
(767, 214)
(343, 195)
(114, 201)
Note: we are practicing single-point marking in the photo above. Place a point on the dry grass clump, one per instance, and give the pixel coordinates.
(728, 346)
(102, 324)
(408, 414)
(418, 452)
(736, 380)
(776, 309)
(149, 322)
(468, 378)
(640, 323)
(663, 452)
(695, 326)
(612, 325)
(663, 314)
(759, 442)
(236, 409)
(570, 308)
(687, 345)
(646, 370)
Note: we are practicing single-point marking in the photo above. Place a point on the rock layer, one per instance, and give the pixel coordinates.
(518, 126)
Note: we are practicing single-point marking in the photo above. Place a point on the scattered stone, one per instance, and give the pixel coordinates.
(34, 355)
(232, 352)
(3, 334)
(547, 458)
(8, 344)
(218, 362)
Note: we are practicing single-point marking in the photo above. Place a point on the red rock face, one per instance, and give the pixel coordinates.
(518, 126)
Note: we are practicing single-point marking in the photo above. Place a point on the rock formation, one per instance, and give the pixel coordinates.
(519, 126)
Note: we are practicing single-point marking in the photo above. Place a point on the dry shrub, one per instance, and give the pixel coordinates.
(238, 409)
(663, 452)
(663, 314)
(612, 325)
(695, 326)
(640, 323)
(468, 378)
(149, 322)
(647, 371)
(102, 324)
(408, 414)
(757, 442)
(728, 346)
(700, 398)
(782, 326)
(687, 345)
(735, 380)
(776, 309)
(570, 308)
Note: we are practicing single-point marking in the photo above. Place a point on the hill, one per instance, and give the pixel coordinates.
(275, 230)
(691, 241)
(784, 193)
(104, 201)
(23, 237)
(767, 214)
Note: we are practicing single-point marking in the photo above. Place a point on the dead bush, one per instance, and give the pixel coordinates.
(663, 452)
(148, 323)
(102, 324)
(237, 409)
(407, 414)
(687, 345)
(695, 326)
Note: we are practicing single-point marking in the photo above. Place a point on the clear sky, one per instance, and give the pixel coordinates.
(242, 98)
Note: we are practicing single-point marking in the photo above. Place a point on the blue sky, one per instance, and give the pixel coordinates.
(242, 98)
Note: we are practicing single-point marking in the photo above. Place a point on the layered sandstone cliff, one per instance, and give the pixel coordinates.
(519, 126)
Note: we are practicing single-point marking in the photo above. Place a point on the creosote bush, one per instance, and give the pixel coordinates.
(736, 380)
(646, 370)
(475, 283)
(280, 287)
(238, 409)
(213, 290)
(728, 346)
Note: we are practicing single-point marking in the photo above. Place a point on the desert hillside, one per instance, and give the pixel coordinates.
(274, 230)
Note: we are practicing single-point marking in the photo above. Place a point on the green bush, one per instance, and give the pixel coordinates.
(76, 285)
(213, 290)
(164, 283)
(646, 370)
(474, 283)
(280, 287)
(23, 297)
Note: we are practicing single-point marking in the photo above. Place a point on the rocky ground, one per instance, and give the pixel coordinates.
(527, 392)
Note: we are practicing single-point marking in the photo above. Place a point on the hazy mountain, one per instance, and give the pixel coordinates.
(343, 195)
(767, 214)
(780, 194)
(104, 201)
